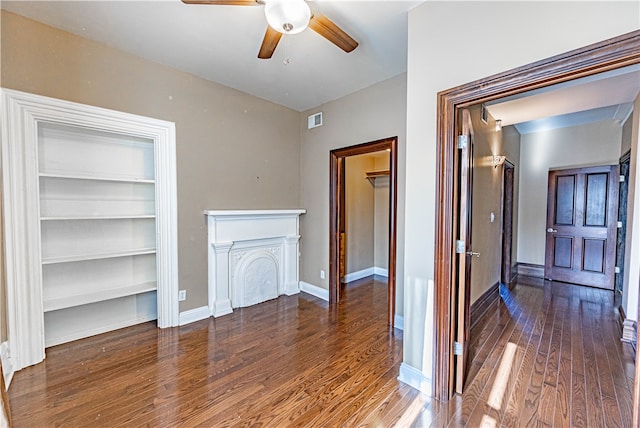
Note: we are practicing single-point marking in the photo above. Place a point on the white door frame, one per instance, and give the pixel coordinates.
(22, 113)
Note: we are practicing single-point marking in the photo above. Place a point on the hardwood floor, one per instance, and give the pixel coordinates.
(548, 355)
(545, 356)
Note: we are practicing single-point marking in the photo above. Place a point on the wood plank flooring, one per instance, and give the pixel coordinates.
(547, 355)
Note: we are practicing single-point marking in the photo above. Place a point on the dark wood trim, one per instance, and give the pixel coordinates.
(597, 58)
(336, 211)
(480, 306)
(621, 317)
(508, 182)
(530, 269)
(625, 157)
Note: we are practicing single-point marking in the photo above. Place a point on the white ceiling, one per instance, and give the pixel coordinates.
(606, 96)
(221, 43)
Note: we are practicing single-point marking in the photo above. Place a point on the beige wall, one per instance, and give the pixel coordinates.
(627, 130)
(233, 150)
(368, 115)
(367, 213)
(632, 244)
(360, 214)
(489, 38)
(486, 236)
(3, 276)
(511, 146)
(592, 144)
(381, 220)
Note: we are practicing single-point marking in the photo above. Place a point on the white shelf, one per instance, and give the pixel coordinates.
(97, 197)
(63, 302)
(97, 256)
(96, 217)
(95, 178)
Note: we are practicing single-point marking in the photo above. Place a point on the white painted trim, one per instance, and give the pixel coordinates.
(193, 315)
(21, 114)
(398, 322)
(629, 331)
(102, 329)
(381, 271)
(7, 367)
(314, 290)
(354, 276)
(415, 379)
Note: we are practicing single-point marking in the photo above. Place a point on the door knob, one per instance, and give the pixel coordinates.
(552, 230)
(471, 253)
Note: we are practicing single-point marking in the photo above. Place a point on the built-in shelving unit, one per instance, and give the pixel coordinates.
(97, 231)
(371, 176)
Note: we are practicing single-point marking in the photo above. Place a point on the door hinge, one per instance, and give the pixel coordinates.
(462, 141)
(622, 179)
(619, 225)
(457, 348)
(460, 247)
(617, 269)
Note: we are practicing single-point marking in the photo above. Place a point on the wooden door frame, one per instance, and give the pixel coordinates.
(336, 209)
(506, 274)
(604, 56)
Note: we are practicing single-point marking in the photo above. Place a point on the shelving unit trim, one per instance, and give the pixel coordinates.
(23, 116)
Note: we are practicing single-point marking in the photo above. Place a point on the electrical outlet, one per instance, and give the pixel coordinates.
(321, 274)
(182, 295)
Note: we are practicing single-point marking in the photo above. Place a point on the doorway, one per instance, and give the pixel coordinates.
(604, 56)
(337, 217)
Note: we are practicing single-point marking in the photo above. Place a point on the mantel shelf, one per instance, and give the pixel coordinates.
(371, 176)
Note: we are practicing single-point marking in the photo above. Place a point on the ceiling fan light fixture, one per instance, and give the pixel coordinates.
(287, 16)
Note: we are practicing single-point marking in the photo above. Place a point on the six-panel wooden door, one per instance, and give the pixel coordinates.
(582, 209)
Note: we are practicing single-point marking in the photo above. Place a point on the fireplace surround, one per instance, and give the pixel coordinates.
(252, 257)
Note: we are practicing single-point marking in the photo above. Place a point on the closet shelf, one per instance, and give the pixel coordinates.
(98, 217)
(371, 176)
(95, 178)
(69, 301)
(97, 256)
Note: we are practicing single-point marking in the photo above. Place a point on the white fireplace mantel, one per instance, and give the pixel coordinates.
(252, 256)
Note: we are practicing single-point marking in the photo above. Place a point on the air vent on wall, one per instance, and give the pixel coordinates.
(315, 120)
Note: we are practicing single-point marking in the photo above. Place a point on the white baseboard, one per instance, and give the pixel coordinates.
(7, 366)
(415, 379)
(629, 331)
(354, 276)
(193, 315)
(381, 272)
(398, 322)
(314, 290)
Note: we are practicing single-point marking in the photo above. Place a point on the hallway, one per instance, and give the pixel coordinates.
(548, 354)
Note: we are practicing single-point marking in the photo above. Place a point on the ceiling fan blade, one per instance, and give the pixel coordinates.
(269, 43)
(224, 2)
(330, 31)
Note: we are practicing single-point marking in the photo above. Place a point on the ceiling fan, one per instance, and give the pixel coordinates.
(289, 17)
